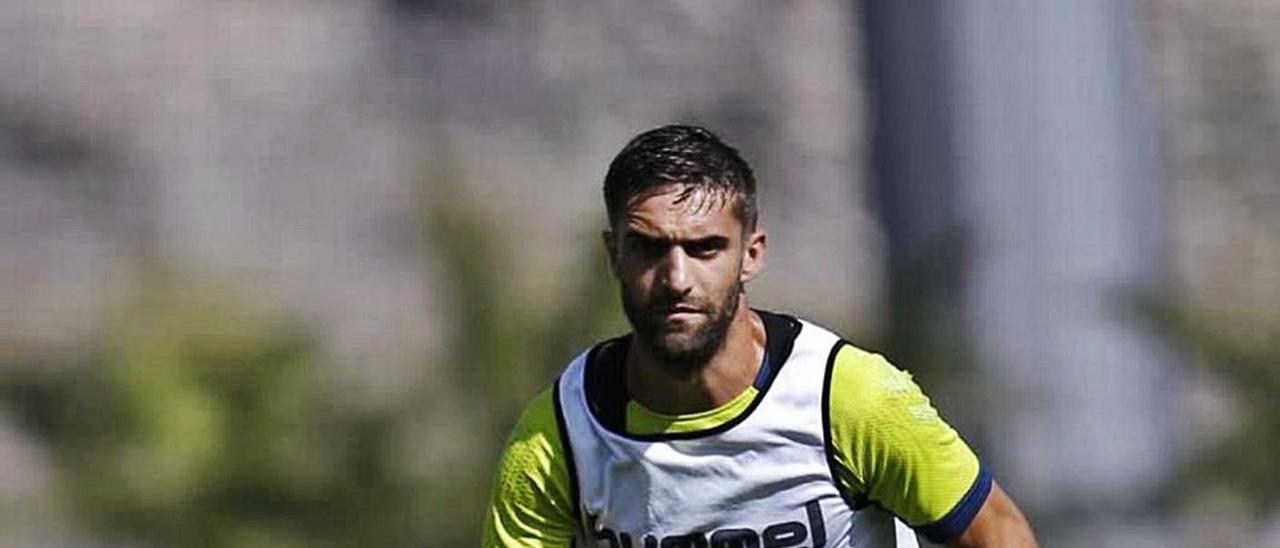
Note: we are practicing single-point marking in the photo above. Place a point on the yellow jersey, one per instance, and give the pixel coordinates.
(886, 444)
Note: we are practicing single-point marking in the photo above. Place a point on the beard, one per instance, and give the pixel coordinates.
(682, 354)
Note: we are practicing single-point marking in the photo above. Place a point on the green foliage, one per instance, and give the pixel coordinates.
(1245, 360)
(198, 423)
(504, 348)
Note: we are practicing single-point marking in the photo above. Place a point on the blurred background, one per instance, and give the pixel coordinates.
(282, 273)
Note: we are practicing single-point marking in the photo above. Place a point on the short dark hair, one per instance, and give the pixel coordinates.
(689, 157)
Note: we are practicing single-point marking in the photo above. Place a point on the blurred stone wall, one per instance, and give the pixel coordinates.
(287, 145)
(1218, 75)
(252, 143)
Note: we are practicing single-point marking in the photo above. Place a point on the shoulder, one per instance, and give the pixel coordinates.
(537, 431)
(856, 377)
(895, 448)
(531, 504)
(872, 403)
(869, 401)
(535, 457)
(862, 380)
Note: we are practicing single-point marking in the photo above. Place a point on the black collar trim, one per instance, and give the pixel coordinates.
(606, 390)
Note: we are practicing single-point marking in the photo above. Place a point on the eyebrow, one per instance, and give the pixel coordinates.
(714, 241)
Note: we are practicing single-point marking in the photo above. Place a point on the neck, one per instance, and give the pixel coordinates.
(726, 375)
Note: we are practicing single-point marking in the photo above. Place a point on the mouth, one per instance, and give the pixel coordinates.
(681, 313)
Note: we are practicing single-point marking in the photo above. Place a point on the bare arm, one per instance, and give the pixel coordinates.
(998, 524)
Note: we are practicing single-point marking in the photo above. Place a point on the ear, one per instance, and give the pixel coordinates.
(611, 250)
(753, 252)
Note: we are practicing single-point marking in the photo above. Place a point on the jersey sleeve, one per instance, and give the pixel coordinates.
(892, 448)
(530, 505)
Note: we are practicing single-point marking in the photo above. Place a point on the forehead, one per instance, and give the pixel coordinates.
(672, 213)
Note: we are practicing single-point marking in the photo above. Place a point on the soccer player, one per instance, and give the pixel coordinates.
(716, 425)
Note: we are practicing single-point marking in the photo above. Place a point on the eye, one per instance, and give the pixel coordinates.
(653, 248)
(648, 247)
(704, 249)
(699, 250)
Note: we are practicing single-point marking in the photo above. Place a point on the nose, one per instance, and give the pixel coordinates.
(674, 273)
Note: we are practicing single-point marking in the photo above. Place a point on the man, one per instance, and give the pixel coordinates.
(715, 425)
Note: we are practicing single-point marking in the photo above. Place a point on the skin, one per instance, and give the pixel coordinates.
(681, 267)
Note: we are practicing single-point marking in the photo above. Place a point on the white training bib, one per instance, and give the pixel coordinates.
(762, 480)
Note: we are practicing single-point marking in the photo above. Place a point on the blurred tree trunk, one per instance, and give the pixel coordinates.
(1015, 165)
